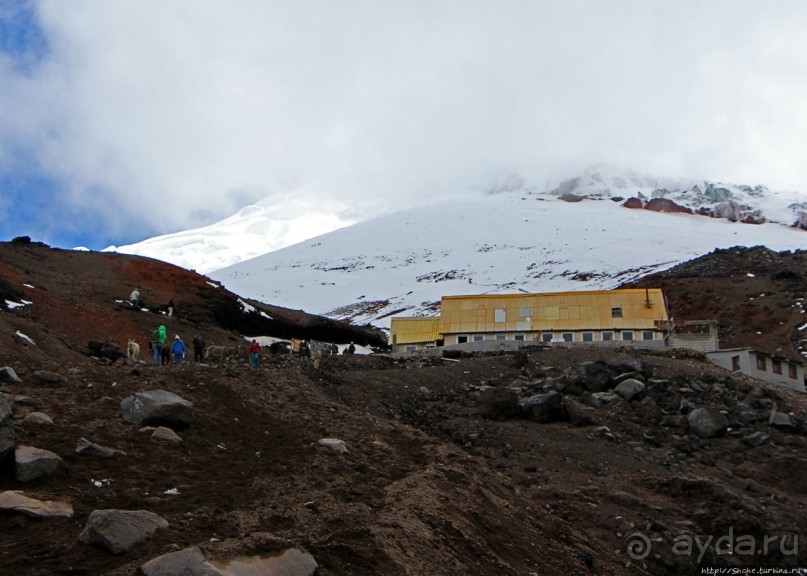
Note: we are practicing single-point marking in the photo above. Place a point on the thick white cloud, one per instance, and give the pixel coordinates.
(176, 113)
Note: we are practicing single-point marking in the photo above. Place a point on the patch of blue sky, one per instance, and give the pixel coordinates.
(22, 38)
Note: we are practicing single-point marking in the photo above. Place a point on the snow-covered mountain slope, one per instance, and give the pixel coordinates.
(270, 224)
(506, 241)
(731, 201)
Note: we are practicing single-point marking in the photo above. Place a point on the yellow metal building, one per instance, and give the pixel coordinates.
(410, 334)
(592, 316)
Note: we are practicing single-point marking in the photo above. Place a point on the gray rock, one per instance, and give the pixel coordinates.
(7, 435)
(45, 376)
(8, 375)
(16, 501)
(334, 444)
(31, 463)
(14, 399)
(157, 407)
(120, 530)
(498, 404)
(594, 376)
(291, 562)
(780, 420)
(625, 362)
(87, 448)
(163, 434)
(107, 349)
(624, 376)
(578, 414)
(544, 407)
(600, 398)
(187, 562)
(707, 422)
(756, 439)
(630, 389)
(37, 419)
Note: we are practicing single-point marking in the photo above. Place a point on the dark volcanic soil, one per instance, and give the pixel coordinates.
(434, 481)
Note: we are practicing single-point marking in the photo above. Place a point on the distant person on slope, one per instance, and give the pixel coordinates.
(254, 354)
(178, 350)
(157, 340)
(305, 354)
(171, 307)
(134, 298)
(198, 348)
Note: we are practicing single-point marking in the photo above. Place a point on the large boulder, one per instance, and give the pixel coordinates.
(546, 407)
(157, 408)
(498, 403)
(87, 448)
(46, 376)
(188, 562)
(8, 375)
(106, 349)
(630, 389)
(16, 501)
(780, 420)
(592, 376)
(31, 463)
(38, 419)
(707, 422)
(119, 530)
(291, 562)
(578, 414)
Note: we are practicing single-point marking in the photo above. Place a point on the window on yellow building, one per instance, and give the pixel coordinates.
(499, 315)
(616, 311)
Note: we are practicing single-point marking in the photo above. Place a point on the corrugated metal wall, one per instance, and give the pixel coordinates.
(414, 330)
(640, 309)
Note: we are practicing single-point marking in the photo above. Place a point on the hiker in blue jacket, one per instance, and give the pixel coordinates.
(178, 350)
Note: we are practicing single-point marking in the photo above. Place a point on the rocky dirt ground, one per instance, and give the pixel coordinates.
(428, 485)
(442, 475)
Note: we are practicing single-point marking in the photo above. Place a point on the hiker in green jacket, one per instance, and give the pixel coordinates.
(158, 338)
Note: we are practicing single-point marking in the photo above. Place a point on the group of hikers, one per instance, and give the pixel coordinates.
(164, 352)
(137, 302)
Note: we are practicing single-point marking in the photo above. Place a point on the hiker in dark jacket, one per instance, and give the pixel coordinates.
(305, 354)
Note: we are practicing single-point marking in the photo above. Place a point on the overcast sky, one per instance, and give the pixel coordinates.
(120, 120)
